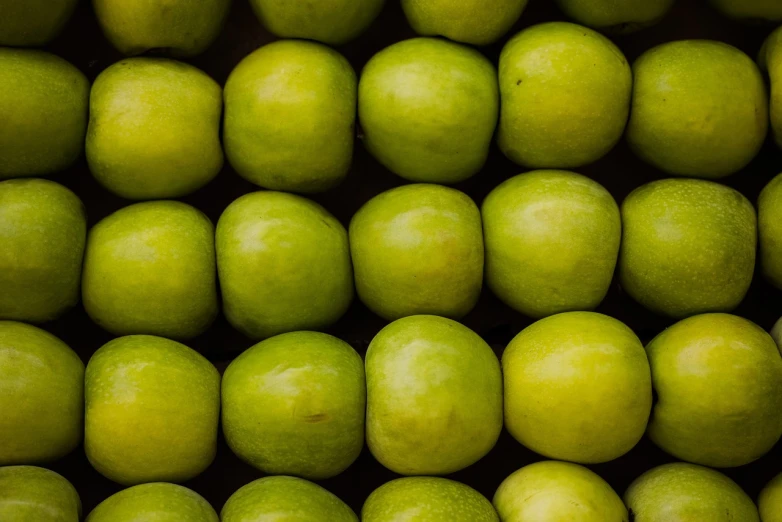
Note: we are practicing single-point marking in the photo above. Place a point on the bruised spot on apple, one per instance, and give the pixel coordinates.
(28, 493)
(156, 502)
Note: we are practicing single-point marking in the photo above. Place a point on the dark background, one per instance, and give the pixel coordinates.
(83, 44)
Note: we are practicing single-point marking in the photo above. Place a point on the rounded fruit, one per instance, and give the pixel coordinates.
(434, 396)
(770, 230)
(700, 109)
(43, 107)
(428, 109)
(681, 491)
(418, 249)
(294, 405)
(284, 265)
(770, 60)
(688, 247)
(35, 494)
(41, 396)
(290, 110)
(750, 10)
(158, 502)
(152, 410)
(150, 269)
(616, 16)
(432, 499)
(552, 240)
(43, 226)
(32, 23)
(285, 498)
(718, 379)
(770, 501)
(565, 92)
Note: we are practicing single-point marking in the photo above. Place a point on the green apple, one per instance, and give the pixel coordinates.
(150, 269)
(334, 22)
(477, 22)
(284, 498)
(770, 230)
(554, 491)
(294, 405)
(688, 246)
(418, 249)
(41, 396)
(700, 109)
(770, 60)
(565, 93)
(154, 129)
(770, 501)
(43, 229)
(35, 494)
(686, 492)
(763, 10)
(428, 109)
(43, 107)
(776, 332)
(552, 240)
(152, 410)
(290, 111)
(430, 499)
(718, 379)
(177, 27)
(284, 265)
(577, 387)
(157, 502)
(434, 396)
(31, 23)
(616, 16)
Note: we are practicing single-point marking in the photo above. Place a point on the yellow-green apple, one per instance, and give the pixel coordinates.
(616, 16)
(770, 501)
(30, 23)
(30, 494)
(156, 502)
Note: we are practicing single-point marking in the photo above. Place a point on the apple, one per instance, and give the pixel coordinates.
(158, 502)
(770, 60)
(43, 227)
(688, 247)
(41, 396)
(565, 93)
(152, 410)
(770, 501)
(432, 499)
(150, 269)
(31, 23)
(284, 498)
(35, 494)
(700, 109)
(681, 491)
(43, 107)
(718, 379)
(418, 249)
(616, 16)
(284, 265)
(290, 110)
(154, 128)
(294, 405)
(428, 109)
(181, 28)
(552, 490)
(577, 387)
(552, 240)
(770, 230)
(752, 10)
(434, 396)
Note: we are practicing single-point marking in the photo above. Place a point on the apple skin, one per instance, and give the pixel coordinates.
(565, 92)
(43, 107)
(616, 16)
(577, 387)
(770, 60)
(434, 396)
(35, 494)
(688, 247)
(154, 128)
(718, 379)
(152, 410)
(41, 396)
(700, 109)
(150, 269)
(552, 240)
(284, 498)
(770, 231)
(428, 109)
(32, 23)
(750, 10)
(181, 28)
(156, 502)
(432, 499)
(770, 501)
(43, 228)
(687, 492)
(418, 249)
(290, 111)
(294, 405)
(284, 265)
(552, 490)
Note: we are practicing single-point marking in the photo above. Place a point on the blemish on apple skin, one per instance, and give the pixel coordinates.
(519, 82)
(316, 417)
